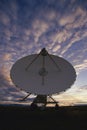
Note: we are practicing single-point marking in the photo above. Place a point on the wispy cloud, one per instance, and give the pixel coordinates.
(28, 26)
(81, 66)
(73, 96)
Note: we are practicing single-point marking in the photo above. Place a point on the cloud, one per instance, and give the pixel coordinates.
(56, 48)
(81, 66)
(6, 57)
(72, 96)
(66, 20)
(4, 18)
(39, 28)
(8, 92)
(75, 19)
(27, 26)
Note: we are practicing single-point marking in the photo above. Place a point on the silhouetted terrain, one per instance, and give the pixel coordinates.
(27, 118)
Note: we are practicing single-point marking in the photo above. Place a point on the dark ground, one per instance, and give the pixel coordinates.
(26, 118)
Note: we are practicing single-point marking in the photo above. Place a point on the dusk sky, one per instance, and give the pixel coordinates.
(27, 26)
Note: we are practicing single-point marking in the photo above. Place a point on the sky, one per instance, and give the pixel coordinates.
(27, 26)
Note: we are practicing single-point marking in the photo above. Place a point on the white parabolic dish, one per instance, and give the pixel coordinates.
(46, 75)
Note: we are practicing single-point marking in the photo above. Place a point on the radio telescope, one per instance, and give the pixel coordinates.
(42, 74)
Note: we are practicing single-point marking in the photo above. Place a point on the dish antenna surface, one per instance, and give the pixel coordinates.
(43, 74)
